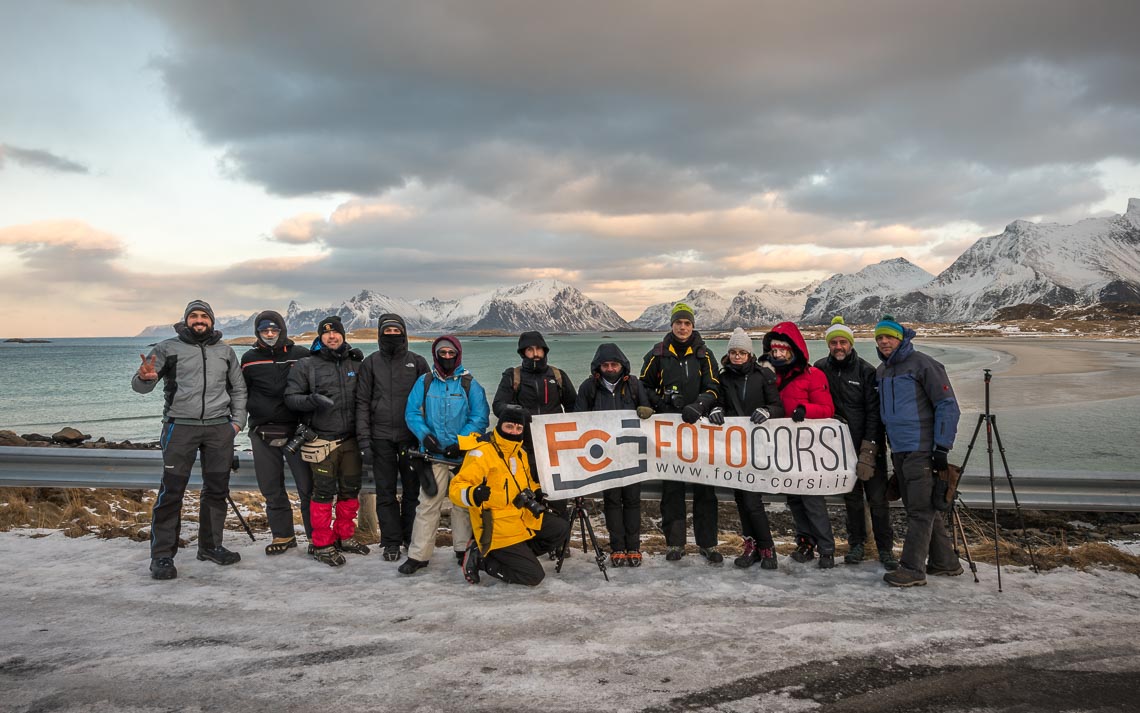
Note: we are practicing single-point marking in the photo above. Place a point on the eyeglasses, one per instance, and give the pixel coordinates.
(270, 330)
(446, 353)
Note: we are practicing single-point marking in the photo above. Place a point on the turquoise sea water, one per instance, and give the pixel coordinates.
(85, 383)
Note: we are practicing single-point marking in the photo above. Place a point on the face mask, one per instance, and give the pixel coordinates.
(269, 341)
(507, 436)
(391, 342)
(611, 377)
(447, 366)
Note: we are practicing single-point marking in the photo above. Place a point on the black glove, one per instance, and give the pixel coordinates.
(366, 455)
(799, 414)
(539, 495)
(938, 458)
(431, 443)
(676, 400)
(716, 416)
(644, 412)
(321, 402)
(452, 452)
(760, 415)
(481, 493)
(691, 414)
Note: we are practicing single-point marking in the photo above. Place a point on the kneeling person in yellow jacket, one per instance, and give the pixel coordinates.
(497, 487)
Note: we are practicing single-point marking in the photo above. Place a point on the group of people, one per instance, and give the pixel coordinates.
(327, 411)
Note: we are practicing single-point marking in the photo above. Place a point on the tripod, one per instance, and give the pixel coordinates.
(956, 531)
(992, 435)
(578, 514)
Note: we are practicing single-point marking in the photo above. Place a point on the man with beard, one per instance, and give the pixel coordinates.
(266, 368)
(611, 388)
(540, 389)
(680, 375)
(386, 377)
(749, 389)
(204, 408)
(856, 397)
(805, 394)
(323, 387)
(444, 404)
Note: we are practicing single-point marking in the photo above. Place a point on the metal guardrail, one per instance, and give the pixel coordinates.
(90, 468)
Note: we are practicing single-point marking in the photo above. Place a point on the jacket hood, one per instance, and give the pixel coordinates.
(609, 352)
(391, 317)
(905, 348)
(454, 341)
(790, 333)
(531, 339)
(277, 319)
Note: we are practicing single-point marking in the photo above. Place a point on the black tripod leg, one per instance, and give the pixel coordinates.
(973, 440)
(241, 519)
(961, 531)
(599, 556)
(1013, 492)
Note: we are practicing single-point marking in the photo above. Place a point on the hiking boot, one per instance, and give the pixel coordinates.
(854, 555)
(328, 555)
(219, 554)
(674, 554)
(280, 545)
(888, 559)
(411, 566)
(712, 555)
(618, 558)
(826, 561)
(472, 562)
(749, 556)
(633, 558)
(163, 568)
(939, 572)
(903, 577)
(767, 558)
(805, 550)
(352, 545)
(459, 554)
(311, 549)
(392, 553)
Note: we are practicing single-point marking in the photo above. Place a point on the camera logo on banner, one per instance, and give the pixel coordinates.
(595, 456)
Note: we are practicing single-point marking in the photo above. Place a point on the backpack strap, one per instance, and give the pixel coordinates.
(516, 378)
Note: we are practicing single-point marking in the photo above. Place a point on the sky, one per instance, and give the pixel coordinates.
(265, 151)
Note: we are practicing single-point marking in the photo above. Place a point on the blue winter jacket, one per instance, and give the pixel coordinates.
(448, 411)
(916, 400)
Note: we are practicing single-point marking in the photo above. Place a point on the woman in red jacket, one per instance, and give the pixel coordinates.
(805, 394)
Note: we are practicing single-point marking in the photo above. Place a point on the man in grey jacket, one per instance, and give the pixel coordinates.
(204, 409)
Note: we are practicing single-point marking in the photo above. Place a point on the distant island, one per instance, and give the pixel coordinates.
(21, 340)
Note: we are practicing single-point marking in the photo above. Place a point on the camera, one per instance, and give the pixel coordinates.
(301, 436)
(526, 499)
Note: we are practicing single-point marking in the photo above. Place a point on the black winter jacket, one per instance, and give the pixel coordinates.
(266, 371)
(538, 391)
(747, 387)
(332, 374)
(689, 369)
(382, 391)
(628, 393)
(856, 395)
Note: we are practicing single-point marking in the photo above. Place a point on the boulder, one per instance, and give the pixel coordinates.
(35, 437)
(69, 436)
(9, 438)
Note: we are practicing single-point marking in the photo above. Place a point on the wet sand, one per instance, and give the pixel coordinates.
(1030, 372)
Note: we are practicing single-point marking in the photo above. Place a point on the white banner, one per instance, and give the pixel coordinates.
(583, 453)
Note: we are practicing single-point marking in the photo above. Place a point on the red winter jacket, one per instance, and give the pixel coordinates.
(803, 383)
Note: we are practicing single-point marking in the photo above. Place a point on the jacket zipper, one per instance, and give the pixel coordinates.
(202, 347)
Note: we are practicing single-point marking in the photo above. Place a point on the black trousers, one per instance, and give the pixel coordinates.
(754, 518)
(269, 467)
(518, 563)
(391, 465)
(875, 492)
(673, 514)
(180, 446)
(623, 517)
(809, 512)
(927, 540)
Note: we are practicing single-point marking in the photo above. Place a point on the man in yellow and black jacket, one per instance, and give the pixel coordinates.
(497, 487)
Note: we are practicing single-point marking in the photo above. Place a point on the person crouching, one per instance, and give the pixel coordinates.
(497, 487)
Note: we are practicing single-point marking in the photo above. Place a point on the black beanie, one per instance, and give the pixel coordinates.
(330, 324)
(199, 305)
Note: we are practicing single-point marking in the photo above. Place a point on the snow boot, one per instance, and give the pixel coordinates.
(163, 568)
(219, 555)
(392, 553)
(472, 562)
(939, 572)
(903, 577)
(768, 558)
(280, 545)
(805, 550)
(352, 545)
(411, 566)
(710, 554)
(888, 559)
(826, 561)
(618, 558)
(854, 555)
(749, 556)
(633, 558)
(328, 555)
(674, 554)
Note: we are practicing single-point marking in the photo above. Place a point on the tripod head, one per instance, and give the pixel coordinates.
(988, 375)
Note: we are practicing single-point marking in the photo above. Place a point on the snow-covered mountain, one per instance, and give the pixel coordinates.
(859, 297)
(709, 308)
(548, 306)
(765, 306)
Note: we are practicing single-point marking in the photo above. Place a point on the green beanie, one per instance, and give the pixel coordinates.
(839, 329)
(682, 311)
(889, 327)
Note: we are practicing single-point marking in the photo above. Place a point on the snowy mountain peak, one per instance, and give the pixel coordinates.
(857, 296)
(1132, 215)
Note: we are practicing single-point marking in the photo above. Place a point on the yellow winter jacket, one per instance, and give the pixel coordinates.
(498, 523)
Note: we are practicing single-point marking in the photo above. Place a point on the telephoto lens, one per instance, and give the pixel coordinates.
(525, 499)
(303, 435)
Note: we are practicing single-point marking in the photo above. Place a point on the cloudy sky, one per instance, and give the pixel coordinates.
(260, 151)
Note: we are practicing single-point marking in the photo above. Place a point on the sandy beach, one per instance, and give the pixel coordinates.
(1041, 371)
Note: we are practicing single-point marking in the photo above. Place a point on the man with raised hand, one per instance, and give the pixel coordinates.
(920, 414)
(204, 408)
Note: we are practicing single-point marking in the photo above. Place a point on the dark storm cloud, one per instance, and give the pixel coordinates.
(38, 158)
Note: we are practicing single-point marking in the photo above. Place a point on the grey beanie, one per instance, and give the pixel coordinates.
(740, 340)
(199, 304)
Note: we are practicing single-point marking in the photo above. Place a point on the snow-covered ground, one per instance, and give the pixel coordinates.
(84, 628)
